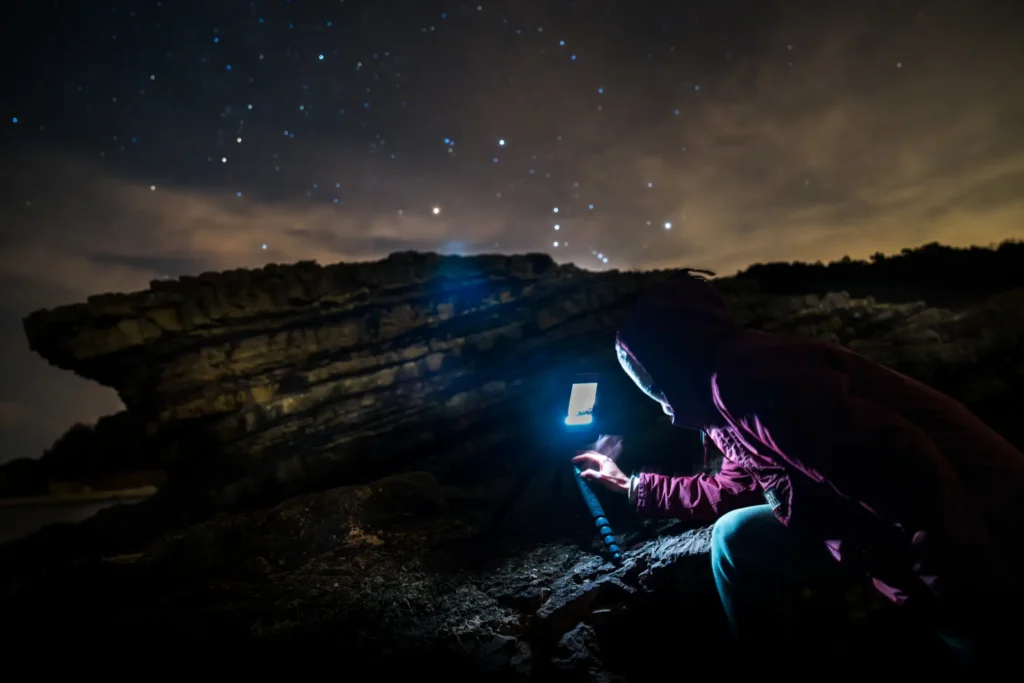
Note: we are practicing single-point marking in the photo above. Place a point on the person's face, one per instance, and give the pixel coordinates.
(640, 377)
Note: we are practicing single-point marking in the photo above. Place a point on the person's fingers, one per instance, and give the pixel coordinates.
(587, 459)
(589, 474)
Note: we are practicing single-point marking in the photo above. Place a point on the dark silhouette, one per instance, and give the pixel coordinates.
(941, 275)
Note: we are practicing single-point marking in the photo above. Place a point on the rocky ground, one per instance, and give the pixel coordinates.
(337, 439)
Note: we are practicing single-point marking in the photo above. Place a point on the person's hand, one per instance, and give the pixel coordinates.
(600, 468)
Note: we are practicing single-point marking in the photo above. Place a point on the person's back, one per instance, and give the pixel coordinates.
(989, 468)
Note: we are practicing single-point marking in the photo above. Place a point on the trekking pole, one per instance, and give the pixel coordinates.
(596, 510)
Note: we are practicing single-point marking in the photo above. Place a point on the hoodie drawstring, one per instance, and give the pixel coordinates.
(704, 443)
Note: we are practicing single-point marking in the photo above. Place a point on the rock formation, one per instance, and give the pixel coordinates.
(335, 438)
(251, 386)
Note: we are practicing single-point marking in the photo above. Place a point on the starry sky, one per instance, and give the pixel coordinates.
(144, 140)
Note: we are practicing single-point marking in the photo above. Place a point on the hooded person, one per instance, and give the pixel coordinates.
(828, 457)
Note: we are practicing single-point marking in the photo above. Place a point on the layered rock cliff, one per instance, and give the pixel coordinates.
(336, 438)
(250, 386)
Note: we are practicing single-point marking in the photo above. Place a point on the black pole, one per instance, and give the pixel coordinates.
(600, 520)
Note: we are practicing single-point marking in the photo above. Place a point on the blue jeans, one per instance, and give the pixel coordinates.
(755, 558)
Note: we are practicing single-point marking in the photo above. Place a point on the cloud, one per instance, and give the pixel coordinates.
(826, 139)
(114, 234)
(11, 414)
(826, 150)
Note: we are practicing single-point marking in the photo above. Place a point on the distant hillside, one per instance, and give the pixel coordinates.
(941, 275)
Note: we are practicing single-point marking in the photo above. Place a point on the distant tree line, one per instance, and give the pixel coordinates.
(940, 275)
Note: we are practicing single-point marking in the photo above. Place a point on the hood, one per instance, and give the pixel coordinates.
(669, 342)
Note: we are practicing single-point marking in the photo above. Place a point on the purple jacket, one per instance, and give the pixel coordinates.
(887, 472)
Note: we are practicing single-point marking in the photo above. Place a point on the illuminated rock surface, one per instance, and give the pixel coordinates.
(333, 439)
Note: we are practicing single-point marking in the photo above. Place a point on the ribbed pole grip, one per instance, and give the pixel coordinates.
(604, 528)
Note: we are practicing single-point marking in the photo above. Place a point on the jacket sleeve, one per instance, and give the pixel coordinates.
(700, 497)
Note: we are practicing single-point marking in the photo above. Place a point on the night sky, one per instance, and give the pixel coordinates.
(151, 139)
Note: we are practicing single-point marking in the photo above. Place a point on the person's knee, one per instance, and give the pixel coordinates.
(726, 534)
(736, 533)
